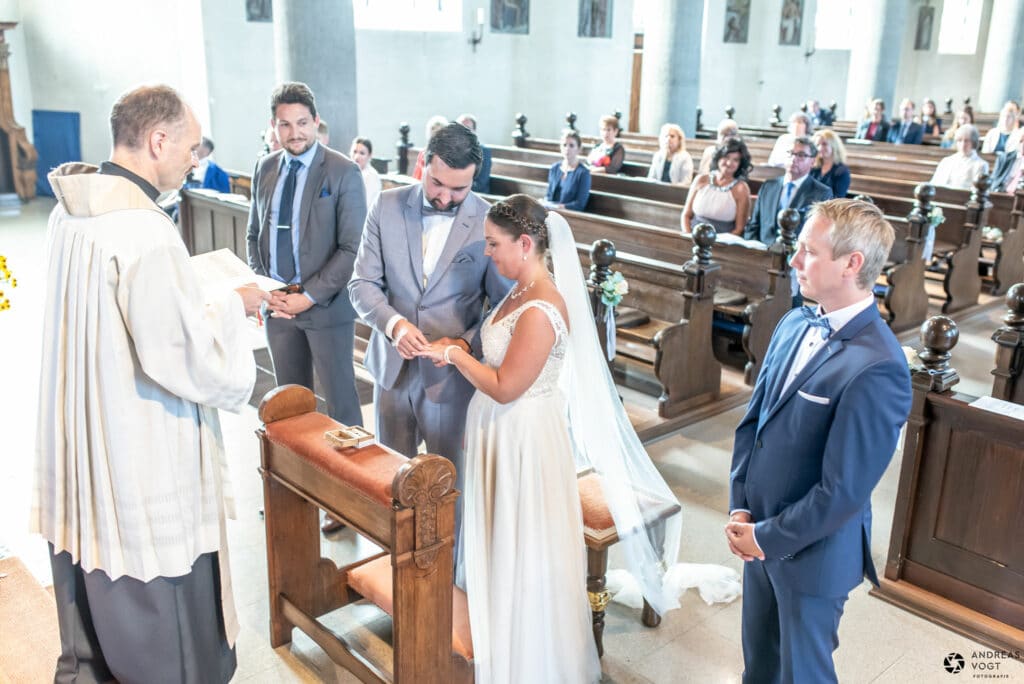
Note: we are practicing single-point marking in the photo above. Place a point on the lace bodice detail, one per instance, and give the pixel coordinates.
(496, 336)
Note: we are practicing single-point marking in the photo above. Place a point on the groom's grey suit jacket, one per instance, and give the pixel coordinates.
(388, 280)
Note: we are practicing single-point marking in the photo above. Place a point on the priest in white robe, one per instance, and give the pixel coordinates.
(136, 360)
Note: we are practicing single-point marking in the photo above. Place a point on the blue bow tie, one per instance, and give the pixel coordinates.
(431, 210)
(816, 321)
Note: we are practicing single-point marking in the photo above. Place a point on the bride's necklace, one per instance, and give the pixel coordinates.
(517, 293)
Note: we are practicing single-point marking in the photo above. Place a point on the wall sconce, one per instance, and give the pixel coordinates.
(478, 33)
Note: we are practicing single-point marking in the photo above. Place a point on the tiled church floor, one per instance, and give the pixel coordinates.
(696, 643)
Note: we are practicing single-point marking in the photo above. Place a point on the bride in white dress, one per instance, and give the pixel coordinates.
(523, 562)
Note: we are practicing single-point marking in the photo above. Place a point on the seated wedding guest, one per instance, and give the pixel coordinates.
(819, 116)
(875, 127)
(795, 190)
(1009, 167)
(961, 169)
(323, 134)
(1003, 136)
(905, 131)
(568, 180)
(722, 197)
(361, 152)
(800, 126)
(830, 165)
(608, 155)
(482, 180)
(966, 116)
(207, 174)
(930, 120)
(270, 141)
(434, 124)
(672, 163)
(727, 128)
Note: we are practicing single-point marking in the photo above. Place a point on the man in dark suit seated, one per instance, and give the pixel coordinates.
(482, 181)
(818, 434)
(794, 190)
(1009, 169)
(820, 117)
(875, 128)
(906, 131)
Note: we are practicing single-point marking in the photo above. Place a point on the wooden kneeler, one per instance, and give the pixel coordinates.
(407, 506)
(599, 534)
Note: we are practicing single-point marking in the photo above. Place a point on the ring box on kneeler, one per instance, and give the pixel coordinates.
(405, 506)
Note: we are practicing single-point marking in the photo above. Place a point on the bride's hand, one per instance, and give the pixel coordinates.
(435, 352)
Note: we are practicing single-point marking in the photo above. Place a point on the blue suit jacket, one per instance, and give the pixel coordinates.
(482, 182)
(575, 188)
(762, 225)
(806, 460)
(914, 135)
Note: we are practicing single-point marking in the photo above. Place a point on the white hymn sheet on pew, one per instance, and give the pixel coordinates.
(1006, 408)
(223, 268)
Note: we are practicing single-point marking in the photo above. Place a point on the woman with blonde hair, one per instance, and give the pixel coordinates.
(671, 163)
(966, 116)
(1005, 134)
(830, 165)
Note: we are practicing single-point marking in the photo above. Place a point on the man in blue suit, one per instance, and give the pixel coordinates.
(795, 190)
(906, 131)
(820, 430)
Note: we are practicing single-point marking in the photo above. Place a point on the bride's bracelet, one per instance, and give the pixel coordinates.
(448, 351)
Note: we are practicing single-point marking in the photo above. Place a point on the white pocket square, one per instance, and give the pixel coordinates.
(824, 401)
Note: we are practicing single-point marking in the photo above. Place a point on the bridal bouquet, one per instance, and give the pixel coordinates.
(935, 216)
(613, 289)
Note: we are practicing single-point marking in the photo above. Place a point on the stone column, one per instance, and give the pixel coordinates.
(1002, 77)
(875, 59)
(670, 77)
(315, 42)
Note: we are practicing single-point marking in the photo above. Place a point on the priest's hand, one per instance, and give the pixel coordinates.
(252, 298)
(408, 339)
(289, 305)
(741, 539)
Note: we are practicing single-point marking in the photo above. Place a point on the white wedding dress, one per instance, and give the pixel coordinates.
(523, 561)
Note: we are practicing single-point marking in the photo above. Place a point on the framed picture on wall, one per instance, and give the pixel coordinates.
(737, 21)
(595, 19)
(259, 10)
(510, 16)
(791, 22)
(925, 21)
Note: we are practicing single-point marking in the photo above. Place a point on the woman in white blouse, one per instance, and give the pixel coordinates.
(671, 163)
(361, 152)
(961, 169)
(1006, 133)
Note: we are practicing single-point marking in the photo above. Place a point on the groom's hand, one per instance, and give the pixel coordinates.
(408, 339)
(742, 541)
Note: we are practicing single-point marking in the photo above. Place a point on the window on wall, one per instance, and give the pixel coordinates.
(833, 24)
(959, 27)
(408, 15)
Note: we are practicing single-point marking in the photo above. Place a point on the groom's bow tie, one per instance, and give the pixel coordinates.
(431, 210)
(816, 321)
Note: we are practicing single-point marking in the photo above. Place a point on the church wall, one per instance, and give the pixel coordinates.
(926, 73)
(755, 76)
(82, 59)
(18, 65)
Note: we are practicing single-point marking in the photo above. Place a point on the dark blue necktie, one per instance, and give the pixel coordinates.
(787, 195)
(285, 253)
(816, 321)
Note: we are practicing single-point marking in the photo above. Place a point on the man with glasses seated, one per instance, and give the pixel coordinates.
(794, 190)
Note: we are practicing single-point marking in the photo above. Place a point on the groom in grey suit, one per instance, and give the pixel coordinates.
(421, 276)
(311, 245)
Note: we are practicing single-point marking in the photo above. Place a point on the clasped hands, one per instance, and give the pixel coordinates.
(283, 304)
(412, 344)
(739, 532)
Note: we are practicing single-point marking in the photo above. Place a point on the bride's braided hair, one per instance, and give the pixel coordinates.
(521, 215)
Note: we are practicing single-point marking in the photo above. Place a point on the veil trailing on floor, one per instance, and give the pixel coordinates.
(604, 440)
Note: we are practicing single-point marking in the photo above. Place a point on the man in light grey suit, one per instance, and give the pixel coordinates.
(421, 276)
(311, 245)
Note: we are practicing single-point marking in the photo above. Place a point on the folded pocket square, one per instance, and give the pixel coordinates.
(325, 191)
(824, 401)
